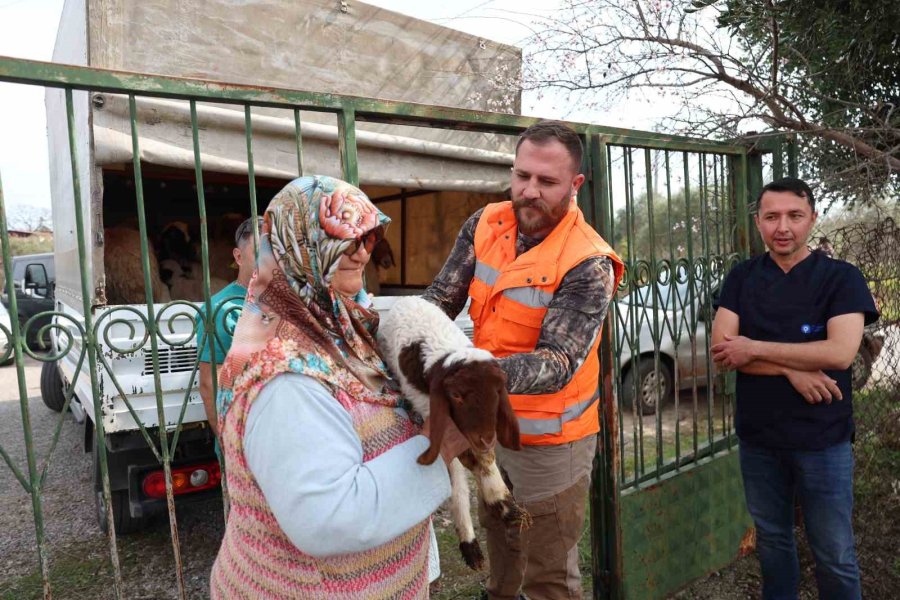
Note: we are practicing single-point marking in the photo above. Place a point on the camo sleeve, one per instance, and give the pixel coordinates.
(571, 325)
(450, 289)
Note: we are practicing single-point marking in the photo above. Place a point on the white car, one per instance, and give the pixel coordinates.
(682, 322)
(4, 337)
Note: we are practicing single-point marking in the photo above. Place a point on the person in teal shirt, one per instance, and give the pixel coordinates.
(226, 306)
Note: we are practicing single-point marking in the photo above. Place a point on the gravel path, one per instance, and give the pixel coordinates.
(78, 551)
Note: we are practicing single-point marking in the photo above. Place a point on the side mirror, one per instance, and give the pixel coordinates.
(36, 279)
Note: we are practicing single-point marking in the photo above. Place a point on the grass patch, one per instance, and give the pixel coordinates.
(70, 577)
(636, 465)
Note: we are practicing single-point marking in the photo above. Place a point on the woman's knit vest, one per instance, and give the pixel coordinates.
(257, 560)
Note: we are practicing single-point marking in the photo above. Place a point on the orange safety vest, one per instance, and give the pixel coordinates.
(510, 296)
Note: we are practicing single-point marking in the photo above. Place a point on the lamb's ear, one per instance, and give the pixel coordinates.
(507, 423)
(439, 409)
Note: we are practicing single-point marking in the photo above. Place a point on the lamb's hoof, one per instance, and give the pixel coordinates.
(511, 513)
(471, 553)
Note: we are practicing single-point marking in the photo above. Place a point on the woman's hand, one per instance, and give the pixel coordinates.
(453, 444)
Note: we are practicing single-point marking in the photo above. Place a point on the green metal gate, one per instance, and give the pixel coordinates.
(667, 504)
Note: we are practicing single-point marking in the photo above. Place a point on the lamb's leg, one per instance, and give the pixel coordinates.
(460, 512)
(494, 492)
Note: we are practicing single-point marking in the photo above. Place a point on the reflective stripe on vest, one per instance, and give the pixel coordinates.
(555, 424)
(485, 273)
(528, 296)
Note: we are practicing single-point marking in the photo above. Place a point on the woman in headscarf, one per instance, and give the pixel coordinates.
(326, 497)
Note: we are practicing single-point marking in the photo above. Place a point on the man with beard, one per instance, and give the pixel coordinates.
(540, 280)
(790, 322)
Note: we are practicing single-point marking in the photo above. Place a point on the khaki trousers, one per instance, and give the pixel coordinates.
(551, 482)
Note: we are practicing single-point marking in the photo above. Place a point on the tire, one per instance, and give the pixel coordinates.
(861, 368)
(52, 387)
(646, 373)
(122, 519)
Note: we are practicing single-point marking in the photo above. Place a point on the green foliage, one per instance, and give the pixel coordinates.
(678, 225)
(836, 62)
(826, 71)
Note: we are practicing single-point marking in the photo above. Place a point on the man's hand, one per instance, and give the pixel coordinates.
(814, 386)
(735, 352)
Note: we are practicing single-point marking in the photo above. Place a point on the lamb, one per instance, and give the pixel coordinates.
(175, 244)
(445, 377)
(187, 285)
(123, 268)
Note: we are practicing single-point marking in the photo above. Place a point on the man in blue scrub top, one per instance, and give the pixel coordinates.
(790, 323)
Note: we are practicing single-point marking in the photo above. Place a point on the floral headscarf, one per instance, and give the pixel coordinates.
(291, 309)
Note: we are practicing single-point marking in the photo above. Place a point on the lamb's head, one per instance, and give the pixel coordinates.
(473, 395)
(175, 243)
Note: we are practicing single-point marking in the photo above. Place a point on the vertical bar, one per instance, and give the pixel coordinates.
(676, 326)
(778, 160)
(704, 238)
(251, 175)
(692, 283)
(347, 145)
(719, 162)
(33, 487)
(716, 203)
(755, 182)
(654, 291)
(585, 194)
(793, 163)
(617, 349)
(154, 343)
(209, 329)
(298, 139)
(605, 530)
(404, 237)
(634, 340)
(91, 344)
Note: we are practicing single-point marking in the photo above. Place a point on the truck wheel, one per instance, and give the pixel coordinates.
(122, 519)
(52, 387)
(654, 386)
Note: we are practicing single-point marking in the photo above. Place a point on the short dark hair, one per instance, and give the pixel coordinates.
(789, 184)
(245, 230)
(545, 131)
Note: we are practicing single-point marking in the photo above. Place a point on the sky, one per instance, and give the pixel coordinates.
(28, 30)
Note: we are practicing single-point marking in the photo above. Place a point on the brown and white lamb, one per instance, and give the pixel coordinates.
(446, 378)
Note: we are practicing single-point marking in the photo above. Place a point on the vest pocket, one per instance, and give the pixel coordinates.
(519, 328)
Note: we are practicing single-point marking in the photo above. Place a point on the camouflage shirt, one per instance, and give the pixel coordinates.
(570, 326)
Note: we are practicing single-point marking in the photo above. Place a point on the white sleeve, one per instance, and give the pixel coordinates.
(306, 457)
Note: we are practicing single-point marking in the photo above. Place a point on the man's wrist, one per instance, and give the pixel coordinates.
(757, 350)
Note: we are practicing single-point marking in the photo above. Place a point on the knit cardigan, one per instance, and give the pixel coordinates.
(257, 560)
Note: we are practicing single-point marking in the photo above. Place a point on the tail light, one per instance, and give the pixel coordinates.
(185, 480)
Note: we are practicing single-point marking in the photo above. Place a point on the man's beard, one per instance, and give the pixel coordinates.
(545, 221)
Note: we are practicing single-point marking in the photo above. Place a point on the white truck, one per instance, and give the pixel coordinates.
(427, 180)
